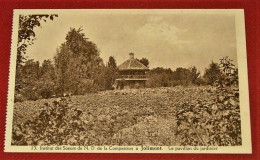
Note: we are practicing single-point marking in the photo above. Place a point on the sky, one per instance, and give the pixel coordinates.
(166, 40)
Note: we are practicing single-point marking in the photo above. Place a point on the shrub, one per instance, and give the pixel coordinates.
(57, 124)
(213, 123)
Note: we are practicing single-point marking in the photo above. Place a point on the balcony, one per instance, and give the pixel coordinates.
(132, 77)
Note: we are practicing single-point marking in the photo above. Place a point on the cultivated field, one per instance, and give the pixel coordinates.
(161, 116)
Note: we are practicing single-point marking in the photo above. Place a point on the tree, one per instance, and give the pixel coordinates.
(29, 75)
(78, 65)
(26, 36)
(144, 61)
(160, 77)
(212, 73)
(230, 72)
(159, 70)
(31, 71)
(46, 84)
(194, 75)
(227, 66)
(112, 63)
(182, 76)
(110, 73)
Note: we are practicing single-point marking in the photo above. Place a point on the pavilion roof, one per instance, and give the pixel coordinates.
(132, 64)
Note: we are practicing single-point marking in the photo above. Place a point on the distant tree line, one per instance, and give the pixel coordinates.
(214, 74)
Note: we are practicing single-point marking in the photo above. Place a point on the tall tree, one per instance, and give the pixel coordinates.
(78, 65)
(194, 74)
(29, 76)
(110, 73)
(212, 73)
(112, 63)
(46, 84)
(26, 37)
(229, 70)
(182, 75)
(160, 77)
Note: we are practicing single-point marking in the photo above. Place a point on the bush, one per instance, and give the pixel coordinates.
(215, 123)
(57, 124)
(158, 80)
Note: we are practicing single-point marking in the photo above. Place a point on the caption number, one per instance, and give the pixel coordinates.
(34, 148)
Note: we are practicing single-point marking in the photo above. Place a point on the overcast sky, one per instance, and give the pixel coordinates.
(170, 40)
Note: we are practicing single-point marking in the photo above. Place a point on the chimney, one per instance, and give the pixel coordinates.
(131, 55)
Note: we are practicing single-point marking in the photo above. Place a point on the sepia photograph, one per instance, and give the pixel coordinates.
(156, 81)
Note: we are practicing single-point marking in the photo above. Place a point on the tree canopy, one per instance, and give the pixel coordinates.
(144, 61)
(77, 63)
(26, 34)
(212, 73)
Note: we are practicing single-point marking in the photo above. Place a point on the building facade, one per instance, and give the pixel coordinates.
(132, 74)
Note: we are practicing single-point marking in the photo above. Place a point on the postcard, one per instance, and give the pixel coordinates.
(128, 81)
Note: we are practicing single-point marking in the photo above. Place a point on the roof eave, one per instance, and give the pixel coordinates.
(144, 69)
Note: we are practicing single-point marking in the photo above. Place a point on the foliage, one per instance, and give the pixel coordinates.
(194, 75)
(158, 80)
(230, 73)
(160, 77)
(46, 84)
(213, 73)
(54, 125)
(144, 61)
(111, 72)
(214, 122)
(182, 76)
(26, 34)
(112, 63)
(26, 37)
(36, 81)
(77, 69)
(77, 64)
(149, 116)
